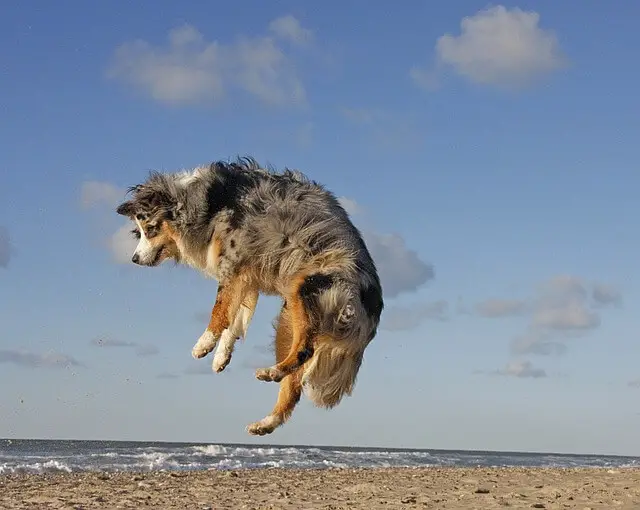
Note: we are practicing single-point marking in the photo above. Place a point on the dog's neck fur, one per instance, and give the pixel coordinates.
(200, 193)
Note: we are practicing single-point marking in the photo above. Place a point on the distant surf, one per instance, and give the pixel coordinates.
(48, 456)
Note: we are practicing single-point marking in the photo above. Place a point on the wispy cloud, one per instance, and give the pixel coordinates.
(192, 70)
(198, 369)
(501, 307)
(634, 384)
(167, 375)
(563, 305)
(386, 129)
(604, 295)
(537, 342)
(400, 268)
(139, 349)
(497, 46)
(522, 369)
(100, 193)
(104, 197)
(562, 308)
(5, 247)
(38, 360)
(288, 28)
(410, 317)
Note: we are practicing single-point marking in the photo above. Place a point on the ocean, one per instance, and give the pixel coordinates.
(47, 456)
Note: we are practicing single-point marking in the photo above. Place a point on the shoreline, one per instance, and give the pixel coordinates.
(329, 488)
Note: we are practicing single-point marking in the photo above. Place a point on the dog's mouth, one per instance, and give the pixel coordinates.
(156, 259)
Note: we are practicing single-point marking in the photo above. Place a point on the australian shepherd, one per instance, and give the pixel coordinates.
(258, 231)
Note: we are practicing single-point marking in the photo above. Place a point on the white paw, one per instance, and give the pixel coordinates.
(265, 426)
(204, 345)
(221, 359)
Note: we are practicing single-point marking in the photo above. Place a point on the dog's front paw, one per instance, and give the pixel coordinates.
(204, 345)
(221, 360)
(271, 374)
(265, 426)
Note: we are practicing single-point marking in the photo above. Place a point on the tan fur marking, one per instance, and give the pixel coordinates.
(228, 302)
(221, 311)
(300, 327)
(291, 386)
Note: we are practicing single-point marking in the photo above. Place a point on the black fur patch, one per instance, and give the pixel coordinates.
(225, 193)
(372, 301)
(305, 355)
(314, 285)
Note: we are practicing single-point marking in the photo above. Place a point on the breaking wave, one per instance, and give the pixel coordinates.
(30, 456)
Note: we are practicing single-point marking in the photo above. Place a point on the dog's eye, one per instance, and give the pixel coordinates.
(136, 233)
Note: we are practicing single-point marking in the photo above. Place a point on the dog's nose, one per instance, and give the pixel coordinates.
(135, 259)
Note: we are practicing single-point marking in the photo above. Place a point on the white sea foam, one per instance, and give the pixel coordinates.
(50, 466)
(59, 456)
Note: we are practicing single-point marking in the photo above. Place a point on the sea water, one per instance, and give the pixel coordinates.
(41, 456)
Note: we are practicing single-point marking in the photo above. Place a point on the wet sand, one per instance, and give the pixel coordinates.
(438, 488)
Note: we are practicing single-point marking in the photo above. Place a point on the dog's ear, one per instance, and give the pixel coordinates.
(127, 209)
(174, 212)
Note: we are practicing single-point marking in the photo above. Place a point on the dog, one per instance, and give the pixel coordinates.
(259, 231)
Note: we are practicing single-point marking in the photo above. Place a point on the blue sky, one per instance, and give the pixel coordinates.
(491, 146)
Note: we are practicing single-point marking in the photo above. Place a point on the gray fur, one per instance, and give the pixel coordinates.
(278, 223)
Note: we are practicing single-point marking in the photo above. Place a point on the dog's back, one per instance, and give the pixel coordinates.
(296, 229)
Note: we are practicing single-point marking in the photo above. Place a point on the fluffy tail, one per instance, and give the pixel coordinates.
(332, 372)
(346, 324)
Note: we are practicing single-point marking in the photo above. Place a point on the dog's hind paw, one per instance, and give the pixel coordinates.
(265, 426)
(204, 345)
(270, 374)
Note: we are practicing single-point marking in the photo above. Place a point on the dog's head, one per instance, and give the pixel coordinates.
(154, 208)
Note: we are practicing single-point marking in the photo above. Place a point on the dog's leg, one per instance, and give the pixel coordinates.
(237, 329)
(288, 397)
(290, 386)
(207, 341)
(303, 296)
(225, 309)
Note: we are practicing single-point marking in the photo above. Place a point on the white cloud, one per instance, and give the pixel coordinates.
(140, 349)
(500, 307)
(5, 247)
(98, 193)
(37, 360)
(498, 46)
(400, 268)
(563, 305)
(351, 206)
(606, 294)
(537, 342)
(571, 316)
(523, 369)
(561, 308)
(105, 197)
(122, 244)
(192, 70)
(410, 317)
(289, 28)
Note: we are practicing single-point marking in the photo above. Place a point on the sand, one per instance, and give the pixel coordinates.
(438, 488)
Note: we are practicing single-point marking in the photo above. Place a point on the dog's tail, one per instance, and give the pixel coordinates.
(332, 371)
(347, 322)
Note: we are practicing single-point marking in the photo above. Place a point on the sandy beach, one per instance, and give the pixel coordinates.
(438, 488)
